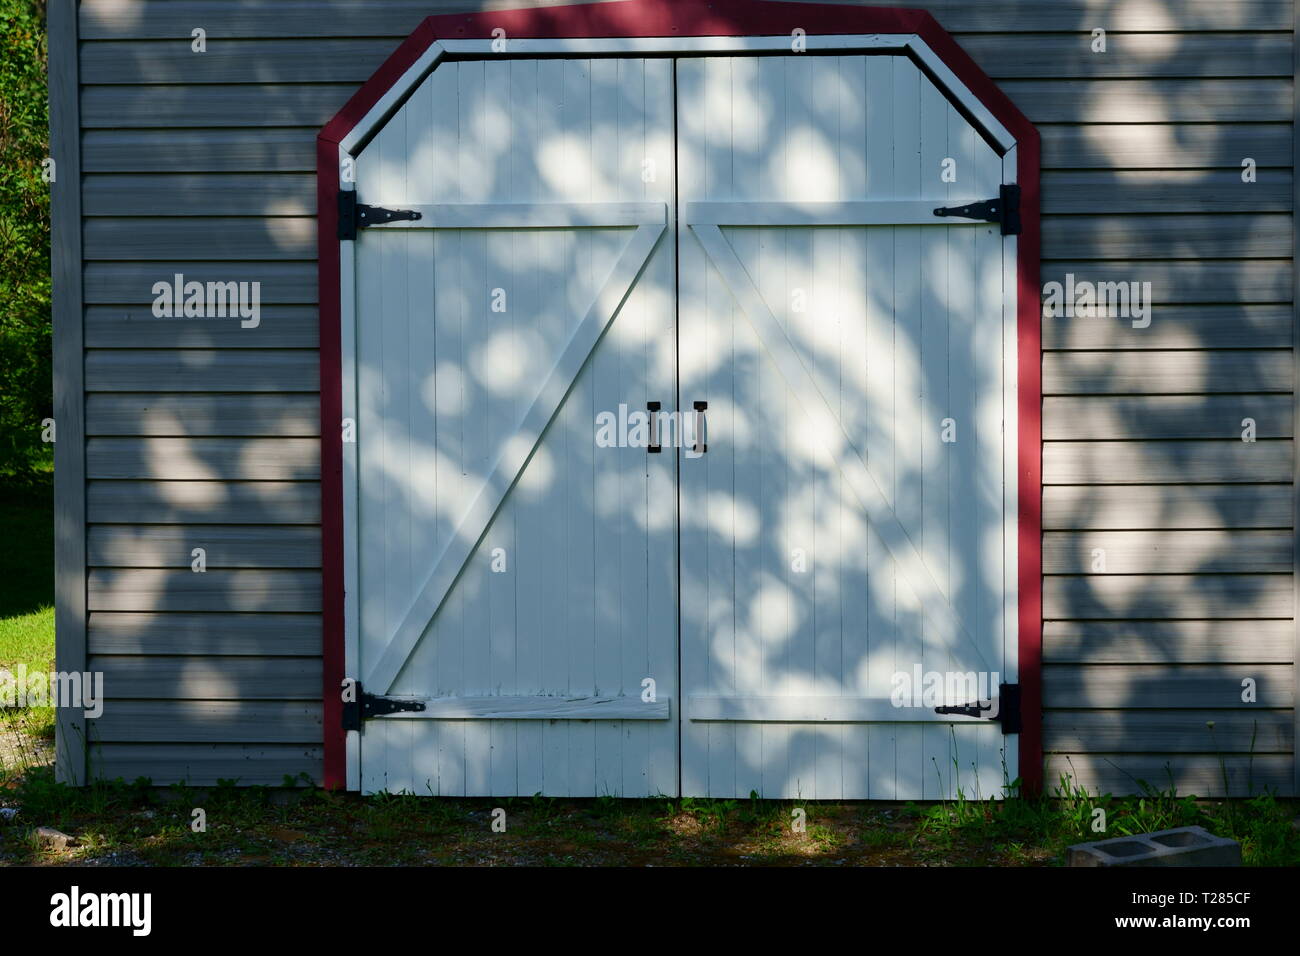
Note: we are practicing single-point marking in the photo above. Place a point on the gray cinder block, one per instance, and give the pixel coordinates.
(1184, 846)
(54, 839)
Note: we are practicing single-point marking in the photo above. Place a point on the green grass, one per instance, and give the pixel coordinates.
(27, 638)
(307, 826)
(27, 592)
(1016, 828)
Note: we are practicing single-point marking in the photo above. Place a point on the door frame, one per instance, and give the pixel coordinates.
(677, 28)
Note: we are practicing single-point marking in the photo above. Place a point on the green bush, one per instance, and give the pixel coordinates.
(25, 340)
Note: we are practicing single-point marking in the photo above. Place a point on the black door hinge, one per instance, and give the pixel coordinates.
(355, 215)
(1008, 714)
(1005, 210)
(372, 705)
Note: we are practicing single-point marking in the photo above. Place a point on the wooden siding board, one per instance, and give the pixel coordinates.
(1125, 507)
(199, 370)
(1127, 55)
(1218, 236)
(1172, 462)
(205, 764)
(1165, 416)
(168, 20)
(233, 194)
(1111, 101)
(1128, 191)
(179, 414)
(1158, 686)
(145, 633)
(172, 546)
(158, 589)
(1119, 731)
(251, 105)
(1166, 552)
(1119, 145)
(144, 239)
(328, 60)
(1184, 372)
(1188, 774)
(131, 283)
(203, 502)
(205, 150)
(1174, 282)
(1175, 327)
(1167, 642)
(207, 721)
(204, 459)
(126, 327)
(205, 678)
(1166, 597)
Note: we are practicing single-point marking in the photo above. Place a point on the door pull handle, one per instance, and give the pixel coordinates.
(654, 447)
(701, 428)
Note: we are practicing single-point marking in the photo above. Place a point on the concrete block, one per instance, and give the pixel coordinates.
(1184, 846)
(54, 839)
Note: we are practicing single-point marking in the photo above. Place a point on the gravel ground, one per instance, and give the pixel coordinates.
(22, 751)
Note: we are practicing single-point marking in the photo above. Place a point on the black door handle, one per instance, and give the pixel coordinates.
(654, 447)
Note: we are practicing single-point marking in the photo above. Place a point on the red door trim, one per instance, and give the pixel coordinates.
(647, 18)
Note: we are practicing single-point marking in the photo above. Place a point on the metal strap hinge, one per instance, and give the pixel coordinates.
(1008, 714)
(1005, 210)
(372, 705)
(355, 215)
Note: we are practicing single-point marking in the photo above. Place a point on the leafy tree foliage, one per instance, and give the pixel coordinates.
(25, 339)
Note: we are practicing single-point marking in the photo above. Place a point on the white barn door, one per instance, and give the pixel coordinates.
(511, 578)
(846, 524)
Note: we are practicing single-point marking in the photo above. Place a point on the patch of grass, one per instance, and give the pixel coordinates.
(710, 814)
(1022, 829)
(27, 638)
(26, 610)
(133, 822)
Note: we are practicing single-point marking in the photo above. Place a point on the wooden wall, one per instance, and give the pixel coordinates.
(200, 433)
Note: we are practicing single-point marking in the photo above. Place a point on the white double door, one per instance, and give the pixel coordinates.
(749, 243)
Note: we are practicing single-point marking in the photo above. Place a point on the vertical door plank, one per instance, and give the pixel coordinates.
(608, 520)
(908, 422)
(881, 402)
